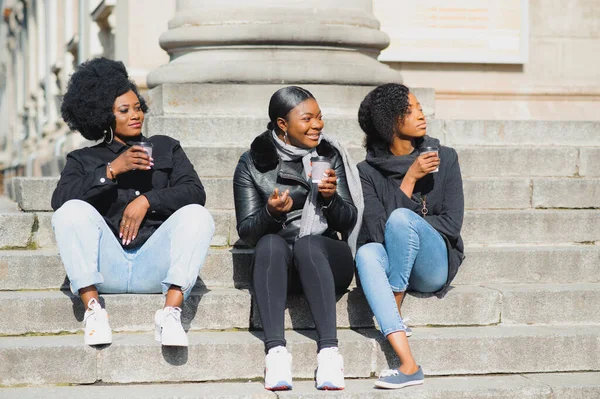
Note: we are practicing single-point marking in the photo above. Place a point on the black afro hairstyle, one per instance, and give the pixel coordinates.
(91, 93)
(380, 112)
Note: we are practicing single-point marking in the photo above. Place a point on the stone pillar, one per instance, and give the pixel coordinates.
(332, 42)
(137, 33)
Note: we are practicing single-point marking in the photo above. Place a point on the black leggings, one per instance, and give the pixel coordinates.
(324, 267)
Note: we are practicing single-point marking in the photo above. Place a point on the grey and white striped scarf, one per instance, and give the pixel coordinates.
(313, 220)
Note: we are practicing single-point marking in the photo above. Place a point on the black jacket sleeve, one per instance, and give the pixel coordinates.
(78, 183)
(449, 221)
(253, 219)
(341, 213)
(184, 188)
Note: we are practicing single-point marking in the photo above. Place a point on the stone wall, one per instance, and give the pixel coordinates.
(561, 80)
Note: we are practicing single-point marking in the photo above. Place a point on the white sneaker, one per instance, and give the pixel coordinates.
(97, 331)
(407, 330)
(278, 369)
(168, 328)
(330, 370)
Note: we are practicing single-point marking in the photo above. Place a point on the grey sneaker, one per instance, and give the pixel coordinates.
(394, 379)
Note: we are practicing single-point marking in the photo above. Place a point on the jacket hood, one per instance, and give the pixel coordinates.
(381, 158)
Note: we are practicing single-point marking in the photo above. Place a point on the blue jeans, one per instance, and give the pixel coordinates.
(414, 257)
(92, 255)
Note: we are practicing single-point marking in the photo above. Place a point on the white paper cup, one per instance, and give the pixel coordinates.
(147, 146)
(426, 150)
(319, 166)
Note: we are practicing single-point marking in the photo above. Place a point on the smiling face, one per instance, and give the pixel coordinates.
(303, 124)
(414, 123)
(128, 115)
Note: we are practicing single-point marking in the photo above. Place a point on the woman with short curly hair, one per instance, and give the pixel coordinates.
(129, 211)
(410, 237)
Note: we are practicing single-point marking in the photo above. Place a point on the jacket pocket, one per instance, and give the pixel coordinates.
(161, 171)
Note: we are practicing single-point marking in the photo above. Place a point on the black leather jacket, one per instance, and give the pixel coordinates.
(260, 171)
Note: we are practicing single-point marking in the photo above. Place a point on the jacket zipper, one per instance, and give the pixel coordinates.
(292, 177)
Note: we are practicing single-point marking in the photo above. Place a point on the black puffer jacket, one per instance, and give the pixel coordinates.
(260, 171)
(381, 174)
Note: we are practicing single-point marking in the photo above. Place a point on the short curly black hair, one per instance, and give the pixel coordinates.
(91, 93)
(380, 112)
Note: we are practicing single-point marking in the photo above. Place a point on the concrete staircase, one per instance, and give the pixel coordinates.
(522, 321)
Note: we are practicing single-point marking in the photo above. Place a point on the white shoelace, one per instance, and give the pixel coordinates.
(92, 306)
(388, 373)
(174, 312)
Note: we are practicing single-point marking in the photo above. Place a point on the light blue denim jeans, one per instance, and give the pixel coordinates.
(92, 255)
(414, 257)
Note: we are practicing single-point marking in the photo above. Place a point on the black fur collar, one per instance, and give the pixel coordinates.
(264, 153)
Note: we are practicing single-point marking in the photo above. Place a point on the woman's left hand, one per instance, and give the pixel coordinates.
(328, 184)
(133, 215)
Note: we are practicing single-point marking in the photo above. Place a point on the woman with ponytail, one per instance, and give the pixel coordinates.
(410, 238)
(294, 225)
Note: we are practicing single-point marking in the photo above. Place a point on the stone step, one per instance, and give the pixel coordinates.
(200, 130)
(344, 127)
(479, 227)
(43, 269)
(236, 99)
(551, 263)
(518, 133)
(34, 194)
(253, 99)
(34, 230)
(531, 386)
(218, 356)
(566, 304)
(224, 309)
(16, 229)
(536, 227)
(221, 160)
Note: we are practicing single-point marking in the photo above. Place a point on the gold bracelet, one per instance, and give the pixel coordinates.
(112, 173)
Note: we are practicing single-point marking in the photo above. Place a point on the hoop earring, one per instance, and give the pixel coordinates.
(112, 136)
(285, 138)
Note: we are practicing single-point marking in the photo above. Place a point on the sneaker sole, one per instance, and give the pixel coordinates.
(330, 388)
(281, 386)
(182, 344)
(98, 341)
(388, 385)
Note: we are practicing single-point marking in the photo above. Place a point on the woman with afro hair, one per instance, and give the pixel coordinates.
(127, 220)
(414, 206)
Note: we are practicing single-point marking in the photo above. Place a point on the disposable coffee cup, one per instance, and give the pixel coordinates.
(426, 150)
(319, 166)
(147, 146)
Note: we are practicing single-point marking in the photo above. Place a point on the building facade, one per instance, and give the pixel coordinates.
(42, 41)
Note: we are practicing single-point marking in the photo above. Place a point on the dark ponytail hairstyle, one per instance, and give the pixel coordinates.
(283, 101)
(380, 112)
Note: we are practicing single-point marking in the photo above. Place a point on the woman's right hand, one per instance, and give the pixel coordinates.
(134, 158)
(279, 204)
(423, 165)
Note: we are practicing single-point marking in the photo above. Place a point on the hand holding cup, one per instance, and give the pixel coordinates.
(427, 162)
(135, 158)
